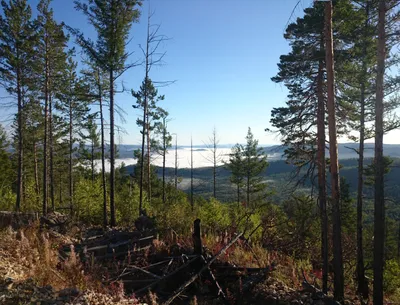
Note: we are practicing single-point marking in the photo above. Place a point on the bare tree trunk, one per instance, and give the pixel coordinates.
(379, 215)
(36, 171)
(112, 152)
(248, 182)
(191, 173)
(142, 152)
(238, 194)
(176, 162)
(215, 161)
(322, 176)
(148, 160)
(51, 144)
(20, 144)
(46, 117)
(333, 151)
(60, 188)
(362, 287)
(103, 157)
(70, 165)
(164, 156)
(92, 160)
(146, 80)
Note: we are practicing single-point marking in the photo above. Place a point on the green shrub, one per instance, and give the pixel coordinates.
(391, 276)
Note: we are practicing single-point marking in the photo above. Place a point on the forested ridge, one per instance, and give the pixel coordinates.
(312, 228)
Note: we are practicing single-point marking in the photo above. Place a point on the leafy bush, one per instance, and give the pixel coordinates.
(391, 276)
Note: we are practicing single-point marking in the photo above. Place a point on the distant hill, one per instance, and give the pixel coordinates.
(275, 152)
(346, 150)
(278, 176)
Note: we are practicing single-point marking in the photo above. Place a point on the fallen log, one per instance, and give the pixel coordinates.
(214, 280)
(167, 276)
(207, 266)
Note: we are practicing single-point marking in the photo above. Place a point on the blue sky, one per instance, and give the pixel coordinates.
(222, 54)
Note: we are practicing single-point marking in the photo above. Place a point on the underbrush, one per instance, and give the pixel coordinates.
(30, 256)
(33, 253)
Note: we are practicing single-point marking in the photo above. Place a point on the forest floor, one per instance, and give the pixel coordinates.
(41, 263)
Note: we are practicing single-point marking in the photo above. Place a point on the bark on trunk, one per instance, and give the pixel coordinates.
(103, 157)
(142, 152)
(238, 194)
(362, 286)
(92, 160)
(148, 160)
(70, 167)
(191, 173)
(379, 215)
(36, 171)
(215, 167)
(112, 152)
(333, 151)
(176, 162)
(51, 144)
(46, 117)
(322, 176)
(20, 144)
(164, 155)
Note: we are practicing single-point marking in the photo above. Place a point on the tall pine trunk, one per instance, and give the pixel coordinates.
(322, 175)
(46, 118)
(142, 152)
(51, 144)
(103, 157)
(333, 151)
(112, 153)
(191, 174)
(20, 144)
(164, 156)
(92, 160)
(70, 167)
(36, 171)
(215, 165)
(148, 160)
(176, 162)
(362, 286)
(238, 194)
(379, 214)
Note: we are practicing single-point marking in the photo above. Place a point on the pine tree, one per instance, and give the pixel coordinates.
(247, 163)
(235, 166)
(379, 211)
(74, 108)
(215, 158)
(52, 58)
(358, 86)
(147, 99)
(112, 21)
(301, 123)
(97, 82)
(17, 38)
(255, 163)
(164, 143)
(89, 149)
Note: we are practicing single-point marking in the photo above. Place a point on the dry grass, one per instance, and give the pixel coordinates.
(32, 253)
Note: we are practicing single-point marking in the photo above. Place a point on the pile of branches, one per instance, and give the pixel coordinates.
(130, 258)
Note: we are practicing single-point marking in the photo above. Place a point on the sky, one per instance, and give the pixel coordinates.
(221, 55)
